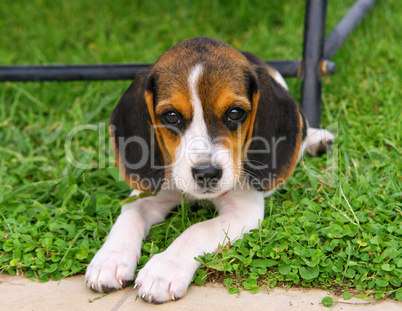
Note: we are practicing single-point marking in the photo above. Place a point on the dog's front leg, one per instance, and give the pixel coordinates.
(167, 275)
(114, 264)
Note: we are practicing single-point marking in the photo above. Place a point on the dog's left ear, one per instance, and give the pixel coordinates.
(277, 134)
(136, 145)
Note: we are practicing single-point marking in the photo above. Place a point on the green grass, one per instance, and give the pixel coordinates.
(336, 229)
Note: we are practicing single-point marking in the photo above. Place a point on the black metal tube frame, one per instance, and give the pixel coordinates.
(316, 53)
(103, 72)
(345, 27)
(315, 62)
(287, 69)
(314, 32)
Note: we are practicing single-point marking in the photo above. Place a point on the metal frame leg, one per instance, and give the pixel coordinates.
(345, 27)
(313, 48)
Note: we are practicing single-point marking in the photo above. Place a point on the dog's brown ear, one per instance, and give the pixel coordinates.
(277, 134)
(136, 146)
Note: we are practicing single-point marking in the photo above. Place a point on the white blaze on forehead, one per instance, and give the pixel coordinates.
(198, 123)
(197, 148)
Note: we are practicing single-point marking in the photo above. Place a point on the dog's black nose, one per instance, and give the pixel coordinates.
(207, 175)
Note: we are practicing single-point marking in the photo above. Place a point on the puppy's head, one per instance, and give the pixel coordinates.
(204, 119)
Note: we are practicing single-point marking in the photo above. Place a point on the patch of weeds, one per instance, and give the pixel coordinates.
(315, 245)
(43, 239)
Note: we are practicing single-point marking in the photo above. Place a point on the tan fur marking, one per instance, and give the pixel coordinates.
(272, 72)
(167, 140)
(226, 99)
(290, 167)
(163, 106)
(235, 141)
(157, 125)
(252, 116)
(132, 181)
(238, 153)
(181, 103)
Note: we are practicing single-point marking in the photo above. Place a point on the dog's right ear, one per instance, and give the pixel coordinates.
(135, 142)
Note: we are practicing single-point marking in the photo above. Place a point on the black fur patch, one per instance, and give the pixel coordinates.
(134, 137)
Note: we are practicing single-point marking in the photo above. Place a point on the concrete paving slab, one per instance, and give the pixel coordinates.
(19, 293)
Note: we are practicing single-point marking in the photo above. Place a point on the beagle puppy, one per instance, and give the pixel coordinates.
(208, 122)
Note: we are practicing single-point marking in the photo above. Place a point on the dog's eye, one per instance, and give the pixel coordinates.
(171, 117)
(236, 114)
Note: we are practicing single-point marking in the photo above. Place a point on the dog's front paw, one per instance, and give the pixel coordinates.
(319, 141)
(164, 278)
(111, 269)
